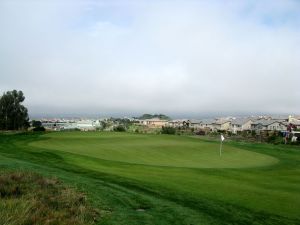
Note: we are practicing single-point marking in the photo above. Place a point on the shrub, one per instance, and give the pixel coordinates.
(200, 132)
(119, 128)
(168, 130)
(36, 123)
(39, 129)
(244, 133)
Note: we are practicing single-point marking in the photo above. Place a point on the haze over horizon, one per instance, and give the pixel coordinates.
(184, 58)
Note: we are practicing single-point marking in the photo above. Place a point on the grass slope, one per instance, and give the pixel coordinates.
(146, 179)
(27, 198)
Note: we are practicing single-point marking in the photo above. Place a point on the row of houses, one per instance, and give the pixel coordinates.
(83, 125)
(234, 125)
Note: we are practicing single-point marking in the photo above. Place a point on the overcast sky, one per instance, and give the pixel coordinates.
(189, 58)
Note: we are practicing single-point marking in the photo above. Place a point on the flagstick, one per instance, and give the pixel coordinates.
(221, 148)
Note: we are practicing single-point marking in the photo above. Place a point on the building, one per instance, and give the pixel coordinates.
(188, 123)
(155, 122)
(177, 123)
(221, 125)
(294, 120)
(196, 124)
(241, 125)
(268, 125)
(86, 125)
(207, 124)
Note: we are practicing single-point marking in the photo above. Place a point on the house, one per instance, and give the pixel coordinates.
(294, 120)
(56, 125)
(241, 124)
(86, 125)
(268, 125)
(155, 122)
(207, 124)
(221, 125)
(189, 123)
(196, 124)
(177, 123)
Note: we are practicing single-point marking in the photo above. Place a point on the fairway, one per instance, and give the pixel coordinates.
(166, 179)
(173, 151)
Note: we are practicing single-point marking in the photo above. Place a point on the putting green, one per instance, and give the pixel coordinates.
(154, 150)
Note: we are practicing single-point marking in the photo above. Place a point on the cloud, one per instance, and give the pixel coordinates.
(128, 57)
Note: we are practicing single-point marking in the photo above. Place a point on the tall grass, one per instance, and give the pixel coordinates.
(28, 198)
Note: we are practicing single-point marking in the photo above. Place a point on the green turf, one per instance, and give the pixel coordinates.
(174, 179)
(154, 150)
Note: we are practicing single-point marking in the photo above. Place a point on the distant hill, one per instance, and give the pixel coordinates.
(150, 116)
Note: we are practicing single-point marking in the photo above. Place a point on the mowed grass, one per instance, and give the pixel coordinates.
(154, 150)
(161, 179)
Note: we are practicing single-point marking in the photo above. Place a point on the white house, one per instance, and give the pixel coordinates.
(86, 125)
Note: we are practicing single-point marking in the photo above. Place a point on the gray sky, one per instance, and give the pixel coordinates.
(129, 57)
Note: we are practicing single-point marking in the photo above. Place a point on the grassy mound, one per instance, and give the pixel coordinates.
(28, 198)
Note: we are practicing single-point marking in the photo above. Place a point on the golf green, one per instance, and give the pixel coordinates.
(163, 150)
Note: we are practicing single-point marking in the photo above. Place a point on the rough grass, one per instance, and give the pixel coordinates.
(28, 198)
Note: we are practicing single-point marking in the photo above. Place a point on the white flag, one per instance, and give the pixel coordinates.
(222, 138)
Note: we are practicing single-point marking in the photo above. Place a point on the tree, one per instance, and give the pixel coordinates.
(103, 125)
(13, 115)
(150, 116)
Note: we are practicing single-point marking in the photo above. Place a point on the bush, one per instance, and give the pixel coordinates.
(119, 128)
(229, 133)
(168, 130)
(39, 129)
(244, 133)
(200, 132)
(271, 138)
(36, 123)
(275, 138)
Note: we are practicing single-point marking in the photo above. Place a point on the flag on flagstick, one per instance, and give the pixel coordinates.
(222, 139)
